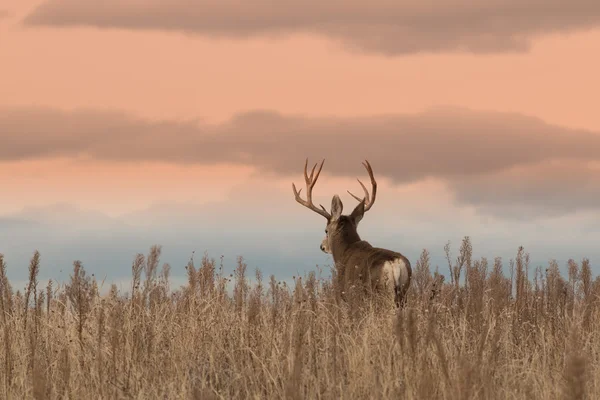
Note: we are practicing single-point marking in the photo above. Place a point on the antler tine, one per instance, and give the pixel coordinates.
(369, 200)
(312, 173)
(310, 183)
(366, 198)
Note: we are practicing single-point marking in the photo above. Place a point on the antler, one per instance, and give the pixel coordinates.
(310, 183)
(367, 199)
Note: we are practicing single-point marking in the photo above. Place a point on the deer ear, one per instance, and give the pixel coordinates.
(336, 207)
(358, 212)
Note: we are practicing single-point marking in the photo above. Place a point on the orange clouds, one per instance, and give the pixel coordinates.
(441, 142)
(113, 187)
(164, 75)
(382, 26)
(318, 100)
(469, 150)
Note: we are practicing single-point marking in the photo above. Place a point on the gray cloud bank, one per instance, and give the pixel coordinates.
(382, 26)
(487, 158)
(108, 245)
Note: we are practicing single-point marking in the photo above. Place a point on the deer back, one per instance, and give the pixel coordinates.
(362, 261)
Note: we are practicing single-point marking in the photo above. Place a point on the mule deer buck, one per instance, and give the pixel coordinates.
(355, 259)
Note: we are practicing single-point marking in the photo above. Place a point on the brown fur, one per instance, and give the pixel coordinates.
(356, 260)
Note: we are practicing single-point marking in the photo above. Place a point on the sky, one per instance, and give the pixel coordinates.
(131, 123)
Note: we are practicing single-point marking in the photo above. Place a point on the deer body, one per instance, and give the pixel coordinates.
(356, 260)
(381, 268)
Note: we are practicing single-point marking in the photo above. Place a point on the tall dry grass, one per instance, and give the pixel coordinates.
(488, 332)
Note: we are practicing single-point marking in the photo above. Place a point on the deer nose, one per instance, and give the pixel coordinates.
(322, 248)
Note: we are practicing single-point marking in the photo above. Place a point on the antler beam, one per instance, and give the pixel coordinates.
(367, 199)
(310, 183)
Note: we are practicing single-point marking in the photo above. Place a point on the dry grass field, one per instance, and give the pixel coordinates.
(468, 336)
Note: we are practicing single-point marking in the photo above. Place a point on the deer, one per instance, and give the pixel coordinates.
(356, 259)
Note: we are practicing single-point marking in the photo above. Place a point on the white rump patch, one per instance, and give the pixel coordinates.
(396, 272)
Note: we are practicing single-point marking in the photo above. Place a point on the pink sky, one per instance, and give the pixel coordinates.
(74, 78)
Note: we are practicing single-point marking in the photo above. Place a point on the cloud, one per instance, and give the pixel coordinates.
(487, 158)
(107, 246)
(67, 215)
(382, 26)
(283, 245)
(547, 189)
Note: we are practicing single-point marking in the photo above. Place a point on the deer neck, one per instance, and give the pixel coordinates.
(342, 243)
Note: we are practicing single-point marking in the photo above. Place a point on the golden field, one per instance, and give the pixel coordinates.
(487, 330)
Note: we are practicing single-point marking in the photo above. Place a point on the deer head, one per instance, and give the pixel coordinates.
(340, 230)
